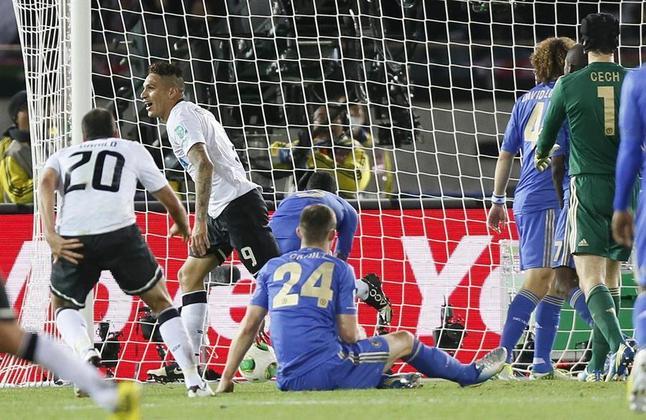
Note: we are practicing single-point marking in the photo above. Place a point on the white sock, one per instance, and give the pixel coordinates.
(174, 335)
(194, 309)
(362, 289)
(73, 328)
(57, 359)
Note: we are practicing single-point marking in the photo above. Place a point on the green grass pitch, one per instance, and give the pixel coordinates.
(436, 399)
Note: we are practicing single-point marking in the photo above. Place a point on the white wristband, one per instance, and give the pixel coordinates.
(498, 199)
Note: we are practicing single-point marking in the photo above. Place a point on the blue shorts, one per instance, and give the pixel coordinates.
(356, 366)
(289, 244)
(536, 232)
(640, 242)
(561, 255)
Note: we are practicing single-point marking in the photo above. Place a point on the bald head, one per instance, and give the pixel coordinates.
(576, 59)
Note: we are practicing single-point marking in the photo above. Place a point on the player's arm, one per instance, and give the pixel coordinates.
(61, 247)
(554, 118)
(249, 326)
(153, 180)
(174, 207)
(511, 143)
(346, 230)
(631, 126)
(345, 304)
(199, 158)
(240, 345)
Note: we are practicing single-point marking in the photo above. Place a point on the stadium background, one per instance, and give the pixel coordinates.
(452, 85)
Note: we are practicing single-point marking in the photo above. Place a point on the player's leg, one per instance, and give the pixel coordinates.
(136, 271)
(56, 358)
(536, 232)
(436, 363)
(69, 285)
(624, 355)
(174, 334)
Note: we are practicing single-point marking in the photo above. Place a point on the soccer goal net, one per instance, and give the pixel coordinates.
(404, 101)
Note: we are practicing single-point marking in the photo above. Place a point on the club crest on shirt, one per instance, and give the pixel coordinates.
(181, 131)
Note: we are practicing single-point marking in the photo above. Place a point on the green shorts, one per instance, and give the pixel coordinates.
(588, 227)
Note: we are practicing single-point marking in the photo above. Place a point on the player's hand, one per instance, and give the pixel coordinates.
(225, 385)
(542, 163)
(182, 231)
(64, 248)
(497, 218)
(199, 238)
(622, 228)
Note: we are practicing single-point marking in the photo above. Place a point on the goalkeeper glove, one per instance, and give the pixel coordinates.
(543, 162)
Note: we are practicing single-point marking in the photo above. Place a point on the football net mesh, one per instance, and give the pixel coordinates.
(404, 102)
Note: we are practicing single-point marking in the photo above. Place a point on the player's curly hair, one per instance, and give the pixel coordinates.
(548, 58)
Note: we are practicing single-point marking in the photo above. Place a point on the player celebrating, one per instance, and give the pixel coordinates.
(229, 209)
(535, 208)
(632, 126)
(122, 400)
(320, 188)
(310, 298)
(96, 230)
(589, 98)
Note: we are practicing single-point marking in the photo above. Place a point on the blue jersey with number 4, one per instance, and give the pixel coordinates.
(304, 291)
(535, 190)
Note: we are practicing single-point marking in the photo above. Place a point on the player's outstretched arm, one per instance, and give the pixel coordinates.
(169, 200)
(558, 174)
(204, 172)
(347, 328)
(61, 247)
(240, 345)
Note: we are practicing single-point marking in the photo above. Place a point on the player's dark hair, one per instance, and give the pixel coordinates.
(548, 58)
(316, 222)
(321, 181)
(166, 69)
(600, 33)
(576, 59)
(98, 124)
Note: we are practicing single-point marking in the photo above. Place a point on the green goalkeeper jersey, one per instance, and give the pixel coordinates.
(589, 99)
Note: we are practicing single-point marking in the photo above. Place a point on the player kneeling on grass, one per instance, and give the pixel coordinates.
(320, 190)
(96, 230)
(122, 400)
(309, 295)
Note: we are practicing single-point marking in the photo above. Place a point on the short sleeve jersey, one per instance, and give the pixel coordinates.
(189, 124)
(286, 217)
(304, 291)
(535, 190)
(97, 184)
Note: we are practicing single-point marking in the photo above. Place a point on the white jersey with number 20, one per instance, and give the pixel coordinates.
(189, 124)
(97, 183)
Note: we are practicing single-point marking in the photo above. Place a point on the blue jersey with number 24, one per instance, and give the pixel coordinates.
(304, 291)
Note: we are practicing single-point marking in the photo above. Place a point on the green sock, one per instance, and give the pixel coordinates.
(615, 292)
(600, 350)
(602, 309)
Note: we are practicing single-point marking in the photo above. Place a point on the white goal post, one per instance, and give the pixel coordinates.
(404, 101)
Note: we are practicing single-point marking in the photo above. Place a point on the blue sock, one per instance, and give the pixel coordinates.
(577, 301)
(548, 313)
(436, 363)
(517, 319)
(639, 320)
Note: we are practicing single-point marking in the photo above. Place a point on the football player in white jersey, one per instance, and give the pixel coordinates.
(229, 209)
(96, 230)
